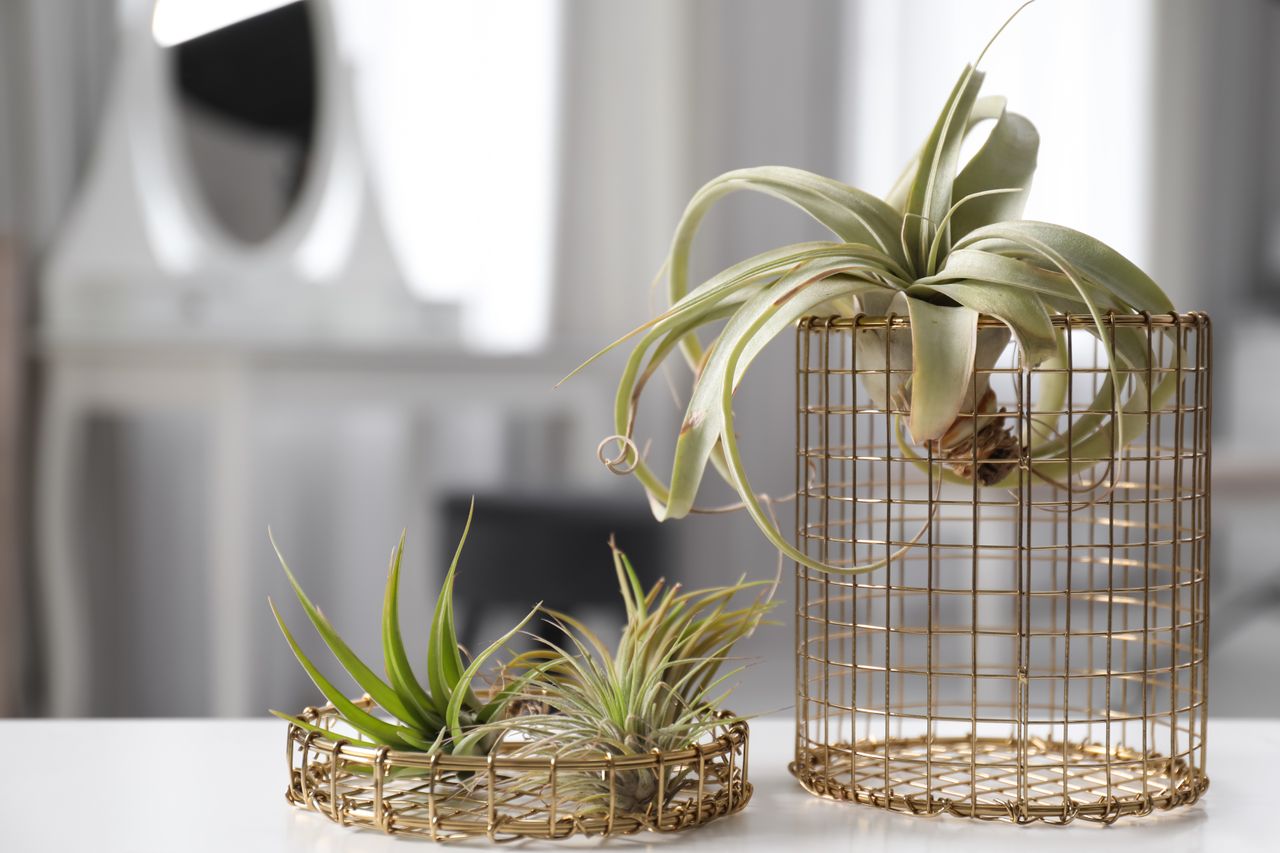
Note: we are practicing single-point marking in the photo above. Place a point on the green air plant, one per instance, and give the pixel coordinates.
(661, 688)
(944, 248)
(447, 713)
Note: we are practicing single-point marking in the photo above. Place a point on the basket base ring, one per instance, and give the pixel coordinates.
(1043, 781)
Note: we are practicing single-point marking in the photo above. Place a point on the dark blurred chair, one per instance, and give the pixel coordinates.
(523, 549)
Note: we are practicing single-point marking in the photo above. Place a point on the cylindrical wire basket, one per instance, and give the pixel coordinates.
(1035, 652)
(502, 797)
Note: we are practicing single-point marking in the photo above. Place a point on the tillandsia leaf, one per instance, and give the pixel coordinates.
(327, 734)
(749, 499)
(699, 308)
(725, 286)
(655, 690)
(378, 729)
(851, 214)
(931, 191)
(1006, 159)
(368, 680)
(447, 718)
(882, 356)
(1022, 312)
(800, 292)
(399, 671)
(943, 230)
(1095, 260)
(1052, 396)
(453, 712)
(947, 248)
(944, 340)
(632, 590)
(987, 266)
(444, 659)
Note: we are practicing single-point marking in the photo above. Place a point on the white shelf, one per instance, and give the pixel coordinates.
(200, 785)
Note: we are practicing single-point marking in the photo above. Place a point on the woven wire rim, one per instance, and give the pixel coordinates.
(1191, 319)
(503, 797)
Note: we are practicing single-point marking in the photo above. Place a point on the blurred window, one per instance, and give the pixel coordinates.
(459, 106)
(1080, 71)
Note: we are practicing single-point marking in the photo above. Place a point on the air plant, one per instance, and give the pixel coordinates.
(945, 248)
(447, 713)
(661, 687)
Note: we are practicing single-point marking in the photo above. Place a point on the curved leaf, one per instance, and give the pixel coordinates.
(984, 109)
(399, 672)
(1089, 255)
(704, 420)
(1022, 312)
(944, 340)
(453, 709)
(931, 190)
(1006, 159)
(444, 658)
(380, 730)
(368, 680)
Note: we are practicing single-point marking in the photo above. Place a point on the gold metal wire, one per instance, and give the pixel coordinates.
(1039, 653)
(501, 797)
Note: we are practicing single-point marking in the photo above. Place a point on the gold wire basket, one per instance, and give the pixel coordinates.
(1036, 653)
(502, 797)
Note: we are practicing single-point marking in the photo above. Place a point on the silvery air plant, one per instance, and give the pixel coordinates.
(660, 688)
(945, 247)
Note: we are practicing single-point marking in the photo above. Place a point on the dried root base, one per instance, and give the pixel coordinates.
(995, 444)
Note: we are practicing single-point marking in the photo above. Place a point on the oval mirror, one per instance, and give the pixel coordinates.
(245, 76)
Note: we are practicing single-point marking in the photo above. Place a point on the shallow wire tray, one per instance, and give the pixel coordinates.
(502, 797)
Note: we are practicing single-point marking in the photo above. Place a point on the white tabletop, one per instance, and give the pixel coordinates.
(218, 785)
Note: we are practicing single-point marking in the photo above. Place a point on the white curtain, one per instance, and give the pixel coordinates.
(54, 59)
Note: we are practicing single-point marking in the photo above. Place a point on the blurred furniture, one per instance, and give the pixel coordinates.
(14, 471)
(153, 802)
(228, 387)
(552, 548)
(150, 304)
(144, 255)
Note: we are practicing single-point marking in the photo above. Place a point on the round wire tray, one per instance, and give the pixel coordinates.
(502, 797)
(988, 779)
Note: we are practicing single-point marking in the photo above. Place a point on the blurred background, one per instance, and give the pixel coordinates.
(317, 265)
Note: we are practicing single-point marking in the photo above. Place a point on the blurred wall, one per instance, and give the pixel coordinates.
(658, 98)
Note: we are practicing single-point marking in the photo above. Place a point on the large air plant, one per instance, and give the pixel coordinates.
(446, 713)
(945, 248)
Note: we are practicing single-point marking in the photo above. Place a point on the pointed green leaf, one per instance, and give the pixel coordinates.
(453, 712)
(751, 502)
(399, 672)
(327, 734)
(851, 214)
(444, 660)
(377, 689)
(703, 418)
(360, 719)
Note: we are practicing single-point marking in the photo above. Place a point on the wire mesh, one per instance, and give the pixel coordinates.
(503, 798)
(1030, 650)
